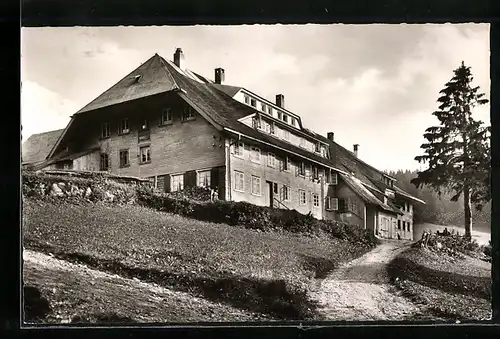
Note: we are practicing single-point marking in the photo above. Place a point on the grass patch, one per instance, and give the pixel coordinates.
(451, 287)
(266, 272)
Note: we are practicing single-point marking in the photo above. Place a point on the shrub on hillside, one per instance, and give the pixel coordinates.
(253, 217)
(486, 249)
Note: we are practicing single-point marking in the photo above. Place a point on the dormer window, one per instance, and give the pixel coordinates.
(269, 110)
(317, 147)
(293, 122)
(272, 129)
(263, 108)
(247, 99)
(285, 118)
(279, 115)
(256, 122)
(253, 102)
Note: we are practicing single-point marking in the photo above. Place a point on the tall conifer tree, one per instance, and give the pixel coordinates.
(457, 151)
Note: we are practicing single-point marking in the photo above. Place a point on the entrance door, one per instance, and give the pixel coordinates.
(271, 193)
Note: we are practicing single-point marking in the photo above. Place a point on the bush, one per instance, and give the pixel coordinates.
(253, 217)
(486, 249)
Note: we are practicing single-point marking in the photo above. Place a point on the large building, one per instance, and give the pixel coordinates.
(165, 122)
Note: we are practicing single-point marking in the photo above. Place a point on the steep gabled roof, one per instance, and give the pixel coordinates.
(150, 78)
(38, 146)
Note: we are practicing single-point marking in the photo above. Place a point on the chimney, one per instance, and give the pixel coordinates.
(356, 147)
(219, 75)
(330, 136)
(179, 58)
(280, 100)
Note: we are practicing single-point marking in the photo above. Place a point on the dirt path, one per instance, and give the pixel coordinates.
(360, 289)
(77, 290)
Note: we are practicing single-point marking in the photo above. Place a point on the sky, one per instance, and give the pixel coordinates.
(372, 85)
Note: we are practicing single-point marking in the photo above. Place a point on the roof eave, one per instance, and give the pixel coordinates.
(61, 138)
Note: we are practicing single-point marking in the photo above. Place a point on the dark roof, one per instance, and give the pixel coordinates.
(366, 195)
(153, 80)
(229, 90)
(38, 146)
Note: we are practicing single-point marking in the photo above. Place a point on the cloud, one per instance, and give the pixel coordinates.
(43, 110)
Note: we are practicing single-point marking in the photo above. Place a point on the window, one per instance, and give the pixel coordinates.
(144, 125)
(255, 155)
(264, 107)
(247, 99)
(301, 169)
(334, 179)
(315, 200)
(409, 226)
(239, 182)
(286, 164)
(145, 154)
(238, 150)
(286, 135)
(286, 193)
(399, 224)
(275, 188)
(272, 129)
(177, 182)
(256, 122)
(335, 204)
(124, 126)
(269, 110)
(105, 130)
(188, 113)
(253, 102)
(166, 116)
(302, 197)
(293, 122)
(271, 160)
(317, 147)
(404, 226)
(255, 185)
(104, 162)
(279, 115)
(323, 151)
(204, 179)
(124, 162)
(285, 118)
(328, 203)
(352, 206)
(315, 172)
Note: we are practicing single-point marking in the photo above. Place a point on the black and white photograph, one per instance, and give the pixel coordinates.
(256, 173)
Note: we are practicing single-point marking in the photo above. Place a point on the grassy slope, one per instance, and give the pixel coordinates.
(452, 288)
(80, 294)
(263, 272)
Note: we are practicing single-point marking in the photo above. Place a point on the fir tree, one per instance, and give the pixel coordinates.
(457, 151)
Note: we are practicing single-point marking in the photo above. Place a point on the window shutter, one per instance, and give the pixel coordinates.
(282, 193)
(190, 179)
(214, 177)
(166, 180)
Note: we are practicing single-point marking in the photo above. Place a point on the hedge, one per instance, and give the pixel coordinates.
(253, 217)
